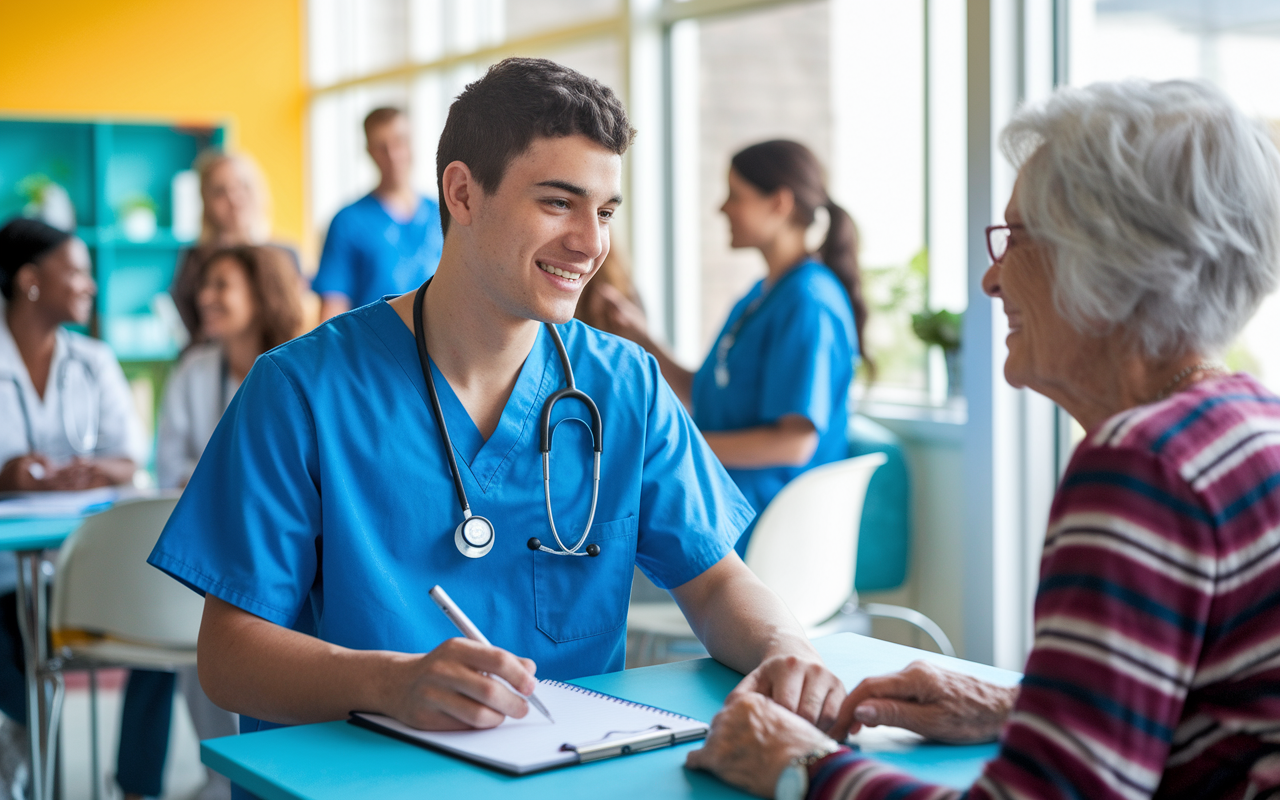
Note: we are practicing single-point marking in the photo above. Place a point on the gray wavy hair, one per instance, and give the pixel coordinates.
(1161, 205)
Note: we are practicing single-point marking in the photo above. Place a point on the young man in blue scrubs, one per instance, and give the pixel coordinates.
(323, 509)
(388, 241)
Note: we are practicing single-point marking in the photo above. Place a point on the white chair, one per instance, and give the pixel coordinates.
(112, 609)
(804, 548)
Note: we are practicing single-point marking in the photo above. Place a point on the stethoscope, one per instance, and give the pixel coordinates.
(730, 337)
(474, 536)
(83, 442)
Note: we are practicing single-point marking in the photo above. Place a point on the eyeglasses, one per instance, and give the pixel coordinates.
(998, 240)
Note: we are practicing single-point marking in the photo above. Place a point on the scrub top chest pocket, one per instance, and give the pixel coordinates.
(575, 598)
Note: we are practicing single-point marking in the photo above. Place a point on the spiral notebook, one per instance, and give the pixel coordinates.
(588, 726)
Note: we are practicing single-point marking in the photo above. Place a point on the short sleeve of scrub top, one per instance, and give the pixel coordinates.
(796, 354)
(324, 502)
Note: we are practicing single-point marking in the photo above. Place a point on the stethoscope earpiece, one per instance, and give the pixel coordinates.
(535, 544)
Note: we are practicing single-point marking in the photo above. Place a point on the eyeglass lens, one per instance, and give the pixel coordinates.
(997, 241)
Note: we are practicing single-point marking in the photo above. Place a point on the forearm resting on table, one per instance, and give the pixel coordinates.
(789, 442)
(738, 619)
(117, 470)
(251, 666)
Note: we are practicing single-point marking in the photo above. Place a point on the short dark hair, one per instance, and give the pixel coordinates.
(25, 241)
(497, 117)
(380, 116)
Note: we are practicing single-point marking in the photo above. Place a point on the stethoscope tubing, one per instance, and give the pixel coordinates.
(81, 444)
(569, 392)
(420, 336)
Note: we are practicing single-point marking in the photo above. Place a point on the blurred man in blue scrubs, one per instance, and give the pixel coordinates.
(325, 504)
(387, 242)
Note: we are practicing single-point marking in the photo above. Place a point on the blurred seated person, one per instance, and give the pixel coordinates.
(1142, 233)
(595, 310)
(69, 421)
(248, 302)
(235, 201)
(390, 240)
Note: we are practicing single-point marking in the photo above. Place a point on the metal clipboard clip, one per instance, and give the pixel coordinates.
(622, 743)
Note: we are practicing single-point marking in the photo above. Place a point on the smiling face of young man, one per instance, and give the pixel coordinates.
(532, 244)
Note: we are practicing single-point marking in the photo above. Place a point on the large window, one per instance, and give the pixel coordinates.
(1233, 43)
(849, 78)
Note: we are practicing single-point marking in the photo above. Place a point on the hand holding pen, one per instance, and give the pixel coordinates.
(469, 630)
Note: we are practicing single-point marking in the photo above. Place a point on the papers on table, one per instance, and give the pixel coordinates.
(27, 505)
(589, 726)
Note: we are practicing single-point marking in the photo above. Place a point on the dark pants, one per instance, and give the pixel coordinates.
(144, 731)
(144, 721)
(13, 665)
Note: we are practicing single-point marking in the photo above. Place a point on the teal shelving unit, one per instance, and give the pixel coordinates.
(102, 165)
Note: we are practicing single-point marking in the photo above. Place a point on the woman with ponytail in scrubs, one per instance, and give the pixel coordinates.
(771, 396)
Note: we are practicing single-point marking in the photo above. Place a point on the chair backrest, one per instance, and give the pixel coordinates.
(882, 558)
(104, 584)
(804, 543)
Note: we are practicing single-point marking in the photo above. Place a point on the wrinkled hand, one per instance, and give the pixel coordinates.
(800, 685)
(752, 740)
(624, 318)
(454, 687)
(18, 475)
(938, 704)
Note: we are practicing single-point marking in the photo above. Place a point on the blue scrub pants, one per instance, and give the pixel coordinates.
(144, 724)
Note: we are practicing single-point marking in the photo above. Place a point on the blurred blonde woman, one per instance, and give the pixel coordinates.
(236, 212)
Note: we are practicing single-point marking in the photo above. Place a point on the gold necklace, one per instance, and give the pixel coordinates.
(1175, 384)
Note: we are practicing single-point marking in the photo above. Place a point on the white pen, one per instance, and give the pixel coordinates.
(469, 630)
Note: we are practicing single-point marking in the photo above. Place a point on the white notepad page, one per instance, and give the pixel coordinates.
(533, 743)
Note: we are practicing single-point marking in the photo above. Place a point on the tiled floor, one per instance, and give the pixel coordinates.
(184, 775)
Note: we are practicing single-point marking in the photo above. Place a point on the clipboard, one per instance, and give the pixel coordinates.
(590, 726)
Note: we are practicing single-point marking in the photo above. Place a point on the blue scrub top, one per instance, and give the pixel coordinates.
(324, 502)
(368, 254)
(795, 355)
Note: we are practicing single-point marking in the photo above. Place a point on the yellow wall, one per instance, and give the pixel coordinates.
(237, 62)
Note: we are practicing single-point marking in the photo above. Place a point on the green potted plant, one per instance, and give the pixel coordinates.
(47, 201)
(942, 329)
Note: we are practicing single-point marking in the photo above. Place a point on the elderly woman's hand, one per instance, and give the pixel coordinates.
(935, 703)
(752, 740)
(801, 685)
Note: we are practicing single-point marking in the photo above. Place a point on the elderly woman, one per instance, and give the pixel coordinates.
(1143, 231)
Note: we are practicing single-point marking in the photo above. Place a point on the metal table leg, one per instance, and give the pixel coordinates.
(32, 622)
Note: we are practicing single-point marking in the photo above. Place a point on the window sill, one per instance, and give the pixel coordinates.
(924, 424)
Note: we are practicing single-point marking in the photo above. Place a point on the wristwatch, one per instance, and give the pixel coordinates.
(793, 783)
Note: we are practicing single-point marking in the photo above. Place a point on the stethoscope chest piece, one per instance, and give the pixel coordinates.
(474, 537)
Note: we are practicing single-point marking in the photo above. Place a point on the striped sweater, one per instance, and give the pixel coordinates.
(1155, 670)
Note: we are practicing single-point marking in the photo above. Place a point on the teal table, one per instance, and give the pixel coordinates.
(338, 760)
(28, 538)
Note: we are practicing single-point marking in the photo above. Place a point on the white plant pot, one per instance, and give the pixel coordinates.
(54, 208)
(139, 224)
